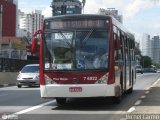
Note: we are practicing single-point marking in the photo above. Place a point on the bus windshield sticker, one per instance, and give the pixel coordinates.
(64, 66)
(80, 64)
(67, 36)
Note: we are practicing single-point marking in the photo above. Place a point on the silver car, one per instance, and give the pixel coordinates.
(139, 69)
(29, 75)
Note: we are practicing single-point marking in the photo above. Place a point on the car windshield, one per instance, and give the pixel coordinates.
(30, 69)
(79, 49)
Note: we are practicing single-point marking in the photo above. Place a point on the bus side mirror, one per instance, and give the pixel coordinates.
(35, 46)
(35, 42)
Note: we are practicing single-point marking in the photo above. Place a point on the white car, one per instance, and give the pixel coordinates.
(29, 75)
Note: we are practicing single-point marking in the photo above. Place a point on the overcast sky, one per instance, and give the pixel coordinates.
(139, 16)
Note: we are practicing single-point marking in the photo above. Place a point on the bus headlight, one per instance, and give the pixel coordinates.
(48, 80)
(103, 79)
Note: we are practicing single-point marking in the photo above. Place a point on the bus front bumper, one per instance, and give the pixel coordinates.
(77, 91)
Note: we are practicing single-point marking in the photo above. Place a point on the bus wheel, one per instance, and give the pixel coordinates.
(130, 90)
(117, 100)
(61, 101)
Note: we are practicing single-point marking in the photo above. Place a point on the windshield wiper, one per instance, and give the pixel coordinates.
(65, 39)
(86, 38)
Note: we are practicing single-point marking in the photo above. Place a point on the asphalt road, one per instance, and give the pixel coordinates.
(28, 105)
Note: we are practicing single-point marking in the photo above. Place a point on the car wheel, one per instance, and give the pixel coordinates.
(29, 85)
(19, 86)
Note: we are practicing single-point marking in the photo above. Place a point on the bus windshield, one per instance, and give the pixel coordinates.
(76, 49)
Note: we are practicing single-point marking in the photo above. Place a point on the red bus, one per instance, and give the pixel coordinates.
(85, 56)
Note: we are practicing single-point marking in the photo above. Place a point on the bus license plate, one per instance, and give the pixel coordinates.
(75, 89)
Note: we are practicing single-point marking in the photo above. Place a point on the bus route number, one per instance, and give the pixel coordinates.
(90, 78)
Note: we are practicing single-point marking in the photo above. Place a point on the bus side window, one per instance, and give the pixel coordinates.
(122, 45)
(119, 51)
(115, 49)
(126, 48)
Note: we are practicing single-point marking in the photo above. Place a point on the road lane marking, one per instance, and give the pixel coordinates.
(131, 109)
(67, 112)
(152, 85)
(155, 83)
(147, 92)
(143, 96)
(138, 102)
(35, 107)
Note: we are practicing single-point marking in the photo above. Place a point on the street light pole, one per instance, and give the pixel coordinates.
(1, 12)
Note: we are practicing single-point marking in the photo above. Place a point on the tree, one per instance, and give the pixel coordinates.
(83, 2)
(146, 61)
(137, 51)
(157, 65)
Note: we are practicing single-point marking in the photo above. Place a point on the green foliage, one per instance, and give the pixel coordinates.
(137, 51)
(157, 65)
(146, 61)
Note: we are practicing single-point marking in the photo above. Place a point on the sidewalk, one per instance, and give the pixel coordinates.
(150, 102)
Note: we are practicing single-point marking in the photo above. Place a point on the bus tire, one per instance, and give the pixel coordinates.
(130, 90)
(117, 100)
(60, 101)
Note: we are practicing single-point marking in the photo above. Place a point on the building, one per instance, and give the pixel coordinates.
(25, 24)
(29, 23)
(62, 7)
(151, 47)
(146, 45)
(112, 12)
(13, 48)
(156, 49)
(37, 18)
(8, 17)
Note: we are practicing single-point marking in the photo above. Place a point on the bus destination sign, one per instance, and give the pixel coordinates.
(72, 24)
